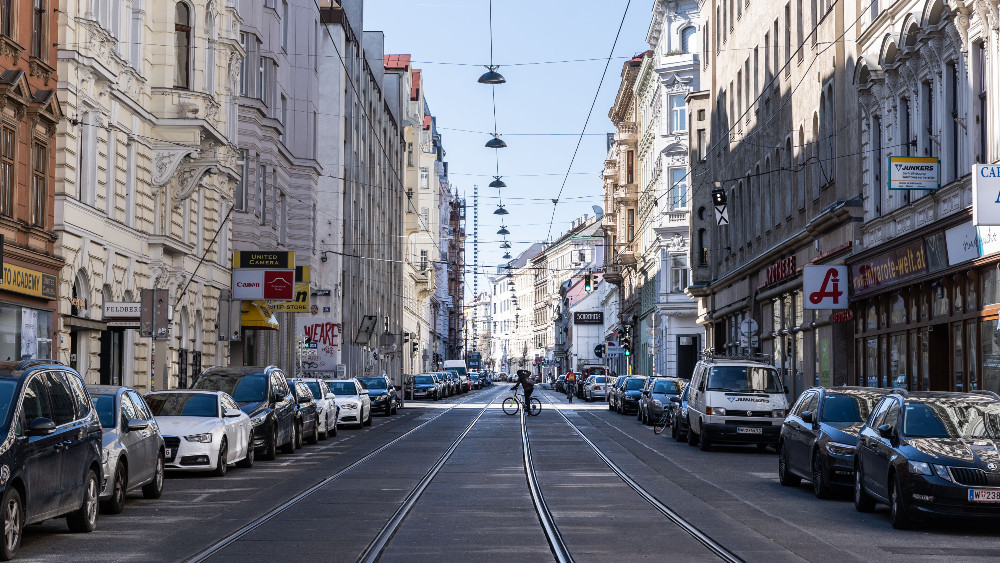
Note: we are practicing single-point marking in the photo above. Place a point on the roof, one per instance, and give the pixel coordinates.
(397, 62)
(415, 86)
(532, 251)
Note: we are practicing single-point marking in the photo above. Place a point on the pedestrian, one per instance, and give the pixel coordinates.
(523, 380)
(570, 386)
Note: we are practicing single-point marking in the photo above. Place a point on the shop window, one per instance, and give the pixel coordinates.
(872, 319)
(990, 344)
(957, 302)
(991, 287)
(939, 301)
(971, 300)
(897, 361)
(958, 345)
(970, 333)
(871, 363)
(897, 311)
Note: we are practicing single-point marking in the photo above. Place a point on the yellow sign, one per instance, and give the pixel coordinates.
(298, 305)
(29, 282)
(257, 315)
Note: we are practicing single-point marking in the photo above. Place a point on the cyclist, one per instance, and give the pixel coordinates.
(570, 386)
(526, 384)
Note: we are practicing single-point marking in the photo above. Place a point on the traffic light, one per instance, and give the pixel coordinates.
(588, 284)
(719, 198)
(626, 347)
(599, 350)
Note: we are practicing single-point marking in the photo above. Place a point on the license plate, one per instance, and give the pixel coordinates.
(168, 452)
(984, 495)
(749, 430)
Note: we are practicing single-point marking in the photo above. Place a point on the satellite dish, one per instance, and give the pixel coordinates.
(598, 212)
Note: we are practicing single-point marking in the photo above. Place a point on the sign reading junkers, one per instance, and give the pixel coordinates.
(914, 173)
(264, 259)
(588, 318)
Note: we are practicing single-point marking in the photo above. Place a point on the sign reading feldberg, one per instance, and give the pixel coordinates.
(986, 195)
(914, 173)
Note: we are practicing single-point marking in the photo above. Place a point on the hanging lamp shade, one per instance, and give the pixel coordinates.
(506, 256)
(505, 245)
(498, 183)
(503, 231)
(501, 211)
(496, 143)
(491, 76)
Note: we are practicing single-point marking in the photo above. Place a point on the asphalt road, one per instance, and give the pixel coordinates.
(477, 506)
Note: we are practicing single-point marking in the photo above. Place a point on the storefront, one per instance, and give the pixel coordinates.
(925, 310)
(27, 312)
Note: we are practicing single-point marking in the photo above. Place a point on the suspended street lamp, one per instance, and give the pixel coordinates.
(498, 183)
(506, 256)
(503, 231)
(491, 76)
(496, 143)
(501, 211)
(505, 245)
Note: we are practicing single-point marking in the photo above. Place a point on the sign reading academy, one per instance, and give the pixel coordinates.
(588, 318)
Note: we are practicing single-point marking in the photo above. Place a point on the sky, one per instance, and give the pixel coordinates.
(540, 111)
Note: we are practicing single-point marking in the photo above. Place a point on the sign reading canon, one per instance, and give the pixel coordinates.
(259, 275)
(588, 318)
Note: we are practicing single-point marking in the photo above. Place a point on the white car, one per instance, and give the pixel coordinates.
(352, 398)
(326, 405)
(202, 430)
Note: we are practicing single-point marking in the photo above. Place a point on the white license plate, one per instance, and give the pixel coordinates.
(168, 452)
(749, 430)
(984, 495)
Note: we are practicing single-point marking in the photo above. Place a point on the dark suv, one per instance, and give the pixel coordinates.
(263, 394)
(50, 461)
(930, 454)
(382, 393)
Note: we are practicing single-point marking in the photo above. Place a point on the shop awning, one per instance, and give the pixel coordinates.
(257, 315)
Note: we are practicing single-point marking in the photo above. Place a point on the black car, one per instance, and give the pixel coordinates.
(629, 394)
(306, 413)
(382, 393)
(50, 463)
(262, 393)
(615, 391)
(425, 387)
(930, 454)
(819, 435)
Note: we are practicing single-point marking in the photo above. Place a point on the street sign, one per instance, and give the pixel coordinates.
(611, 348)
(721, 215)
(748, 327)
(154, 319)
(823, 288)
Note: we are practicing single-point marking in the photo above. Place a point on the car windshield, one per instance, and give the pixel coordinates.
(951, 419)
(423, 380)
(314, 387)
(343, 388)
(744, 379)
(105, 407)
(634, 384)
(373, 382)
(250, 388)
(183, 404)
(846, 408)
(665, 387)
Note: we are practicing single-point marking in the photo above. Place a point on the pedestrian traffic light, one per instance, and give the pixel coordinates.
(719, 197)
(588, 284)
(626, 347)
(599, 350)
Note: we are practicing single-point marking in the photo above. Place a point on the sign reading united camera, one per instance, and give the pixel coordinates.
(588, 318)
(986, 195)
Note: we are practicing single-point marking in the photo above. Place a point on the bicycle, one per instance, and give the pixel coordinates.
(511, 405)
(666, 419)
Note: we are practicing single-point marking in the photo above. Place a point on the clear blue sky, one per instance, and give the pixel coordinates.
(450, 41)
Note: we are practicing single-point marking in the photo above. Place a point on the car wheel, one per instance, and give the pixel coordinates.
(610, 406)
(84, 519)
(785, 476)
(154, 489)
(315, 435)
(12, 514)
(675, 432)
(271, 447)
(223, 463)
(821, 485)
(289, 448)
(400, 405)
(388, 409)
(692, 438)
(116, 503)
(897, 511)
(247, 461)
(704, 443)
(368, 421)
(332, 430)
(862, 501)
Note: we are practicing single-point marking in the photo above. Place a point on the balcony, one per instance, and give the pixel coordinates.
(628, 133)
(626, 196)
(613, 274)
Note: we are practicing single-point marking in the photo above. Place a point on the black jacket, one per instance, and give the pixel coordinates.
(523, 381)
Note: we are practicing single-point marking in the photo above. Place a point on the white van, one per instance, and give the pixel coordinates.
(735, 401)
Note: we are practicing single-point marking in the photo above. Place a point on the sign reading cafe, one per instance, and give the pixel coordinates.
(986, 195)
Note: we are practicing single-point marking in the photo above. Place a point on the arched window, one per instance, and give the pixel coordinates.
(702, 247)
(765, 201)
(757, 200)
(182, 46)
(787, 164)
(686, 34)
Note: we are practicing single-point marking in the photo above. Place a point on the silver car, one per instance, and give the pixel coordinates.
(133, 451)
(596, 388)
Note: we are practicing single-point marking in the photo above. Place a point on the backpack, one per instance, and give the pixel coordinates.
(571, 377)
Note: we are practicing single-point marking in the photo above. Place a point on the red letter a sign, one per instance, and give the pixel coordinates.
(825, 287)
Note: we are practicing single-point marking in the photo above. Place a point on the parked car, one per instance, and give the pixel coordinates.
(930, 454)
(52, 458)
(628, 396)
(306, 414)
(449, 383)
(262, 393)
(202, 430)
(382, 394)
(735, 401)
(596, 388)
(656, 396)
(474, 381)
(425, 386)
(355, 406)
(679, 428)
(819, 436)
(615, 391)
(132, 449)
(326, 405)
(560, 385)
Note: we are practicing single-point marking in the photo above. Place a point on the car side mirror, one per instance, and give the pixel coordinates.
(786, 389)
(136, 424)
(675, 399)
(279, 396)
(645, 392)
(885, 431)
(41, 426)
(331, 397)
(304, 399)
(365, 392)
(232, 413)
(807, 417)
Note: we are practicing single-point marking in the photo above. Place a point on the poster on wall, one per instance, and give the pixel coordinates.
(323, 337)
(914, 173)
(29, 333)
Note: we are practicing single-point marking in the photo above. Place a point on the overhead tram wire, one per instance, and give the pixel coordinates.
(576, 150)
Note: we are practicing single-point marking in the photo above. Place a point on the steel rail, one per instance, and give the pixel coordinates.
(228, 540)
(552, 534)
(715, 547)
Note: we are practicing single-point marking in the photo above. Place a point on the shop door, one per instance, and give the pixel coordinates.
(938, 357)
(687, 355)
(959, 382)
(112, 356)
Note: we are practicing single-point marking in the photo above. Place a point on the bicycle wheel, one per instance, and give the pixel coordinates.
(534, 407)
(660, 423)
(510, 405)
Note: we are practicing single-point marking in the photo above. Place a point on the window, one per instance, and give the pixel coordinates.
(244, 64)
(631, 224)
(951, 118)
(905, 135)
(274, 198)
(425, 178)
(678, 114)
(799, 30)
(39, 184)
(284, 117)
(981, 70)
(38, 29)
(61, 398)
(423, 260)
(767, 59)
(678, 273)
(240, 197)
(630, 167)
(678, 188)
(686, 34)
(284, 25)
(283, 226)
(182, 46)
(739, 95)
(136, 38)
(788, 38)
(261, 81)
(876, 135)
(262, 192)
(6, 16)
(7, 147)
(702, 144)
